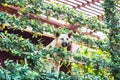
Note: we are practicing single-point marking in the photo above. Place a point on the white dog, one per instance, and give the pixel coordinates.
(61, 40)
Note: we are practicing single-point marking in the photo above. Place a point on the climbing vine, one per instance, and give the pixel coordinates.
(18, 23)
(58, 11)
(93, 64)
(112, 21)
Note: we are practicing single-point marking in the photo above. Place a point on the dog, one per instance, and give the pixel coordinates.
(61, 40)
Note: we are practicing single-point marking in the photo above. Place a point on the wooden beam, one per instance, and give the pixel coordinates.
(83, 4)
(13, 10)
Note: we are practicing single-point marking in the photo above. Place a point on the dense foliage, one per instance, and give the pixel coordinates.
(18, 23)
(98, 61)
(58, 11)
(112, 18)
(25, 49)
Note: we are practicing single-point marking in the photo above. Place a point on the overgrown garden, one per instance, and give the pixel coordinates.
(98, 61)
